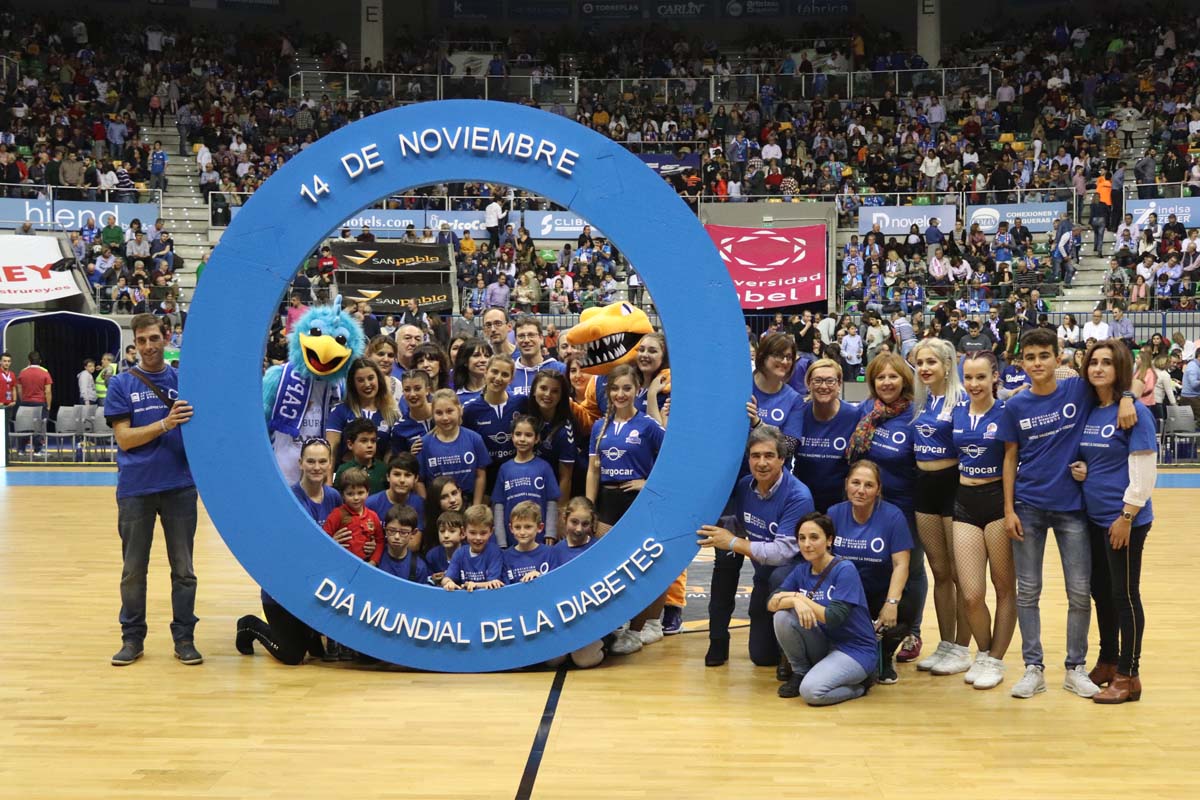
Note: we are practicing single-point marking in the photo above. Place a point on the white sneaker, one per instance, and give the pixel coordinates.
(1078, 682)
(627, 642)
(1031, 683)
(977, 666)
(929, 662)
(652, 631)
(991, 675)
(956, 660)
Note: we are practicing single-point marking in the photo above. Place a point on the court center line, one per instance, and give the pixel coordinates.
(534, 762)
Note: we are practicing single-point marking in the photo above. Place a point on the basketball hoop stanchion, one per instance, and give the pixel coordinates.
(305, 570)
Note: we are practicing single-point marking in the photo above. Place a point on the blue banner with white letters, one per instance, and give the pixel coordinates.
(1038, 217)
(1185, 209)
(72, 214)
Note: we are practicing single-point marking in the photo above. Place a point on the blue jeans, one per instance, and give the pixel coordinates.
(830, 676)
(1070, 531)
(135, 522)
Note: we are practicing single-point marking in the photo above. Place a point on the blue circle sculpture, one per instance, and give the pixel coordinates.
(351, 601)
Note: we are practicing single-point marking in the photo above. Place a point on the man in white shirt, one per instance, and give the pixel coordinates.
(493, 217)
(1095, 328)
(771, 150)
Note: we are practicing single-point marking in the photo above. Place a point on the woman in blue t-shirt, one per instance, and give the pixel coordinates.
(549, 401)
(470, 369)
(772, 400)
(822, 622)
(283, 635)
(979, 536)
(1118, 471)
(873, 535)
(826, 425)
(884, 435)
(368, 396)
(937, 393)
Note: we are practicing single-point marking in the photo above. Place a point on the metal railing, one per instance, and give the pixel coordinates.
(414, 87)
(1162, 189)
(58, 192)
(10, 72)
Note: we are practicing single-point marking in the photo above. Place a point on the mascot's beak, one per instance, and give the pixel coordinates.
(323, 355)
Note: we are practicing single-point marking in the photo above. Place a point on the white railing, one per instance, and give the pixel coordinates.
(411, 88)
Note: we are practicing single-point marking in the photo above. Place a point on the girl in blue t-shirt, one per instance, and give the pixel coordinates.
(1118, 469)
(937, 393)
(450, 449)
(470, 368)
(416, 412)
(549, 403)
(491, 414)
(525, 477)
(368, 396)
(979, 536)
(822, 622)
(873, 535)
(284, 636)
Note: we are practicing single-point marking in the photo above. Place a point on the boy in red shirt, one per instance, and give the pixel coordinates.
(363, 523)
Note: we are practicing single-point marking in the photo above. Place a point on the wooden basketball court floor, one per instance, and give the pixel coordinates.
(656, 724)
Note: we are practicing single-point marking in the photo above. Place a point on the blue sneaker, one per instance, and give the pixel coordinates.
(672, 620)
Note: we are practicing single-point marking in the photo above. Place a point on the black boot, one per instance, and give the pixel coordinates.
(718, 652)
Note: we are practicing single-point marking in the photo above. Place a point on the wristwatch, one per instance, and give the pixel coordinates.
(1125, 515)
(892, 602)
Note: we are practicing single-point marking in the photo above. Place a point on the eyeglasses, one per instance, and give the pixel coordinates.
(401, 531)
(824, 382)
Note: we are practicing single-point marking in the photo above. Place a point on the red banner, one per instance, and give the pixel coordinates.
(774, 267)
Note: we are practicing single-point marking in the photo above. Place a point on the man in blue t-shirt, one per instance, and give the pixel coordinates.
(153, 480)
(1041, 428)
(766, 508)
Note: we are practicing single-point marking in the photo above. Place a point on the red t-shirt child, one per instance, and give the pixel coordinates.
(363, 525)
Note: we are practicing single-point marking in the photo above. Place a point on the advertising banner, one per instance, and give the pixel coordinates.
(389, 299)
(610, 9)
(817, 9)
(458, 221)
(72, 214)
(773, 267)
(385, 223)
(27, 271)
(898, 219)
(539, 10)
(666, 164)
(695, 9)
(738, 9)
(391, 256)
(1038, 217)
(556, 225)
(1186, 209)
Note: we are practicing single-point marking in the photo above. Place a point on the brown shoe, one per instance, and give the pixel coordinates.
(1122, 689)
(1102, 674)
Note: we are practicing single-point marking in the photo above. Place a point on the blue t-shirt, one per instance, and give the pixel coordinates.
(567, 553)
(1012, 377)
(437, 560)
(466, 395)
(320, 512)
(629, 448)
(892, 449)
(977, 442)
(342, 415)
(784, 410)
(821, 454)
(466, 566)
(380, 504)
(410, 568)
(515, 483)
(1047, 429)
(542, 558)
(158, 162)
(770, 523)
(494, 424)
(458, 459)
(870, 545)
(558, 446)
(407, 430)
(160, 464)
(1106, 448)
(523, 376)
(932, 440)
(856, 635)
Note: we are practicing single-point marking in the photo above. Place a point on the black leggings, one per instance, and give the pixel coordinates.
(727, 567)
(1116, 588)
(283, 635)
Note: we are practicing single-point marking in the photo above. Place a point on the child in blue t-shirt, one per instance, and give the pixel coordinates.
(578, 523)
(527, 559)
(400, 529)
(402, 480)
(450, 449)
(479, 565)
(525, 477)
(450, 527)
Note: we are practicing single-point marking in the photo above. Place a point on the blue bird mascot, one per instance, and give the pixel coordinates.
(298, 395)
